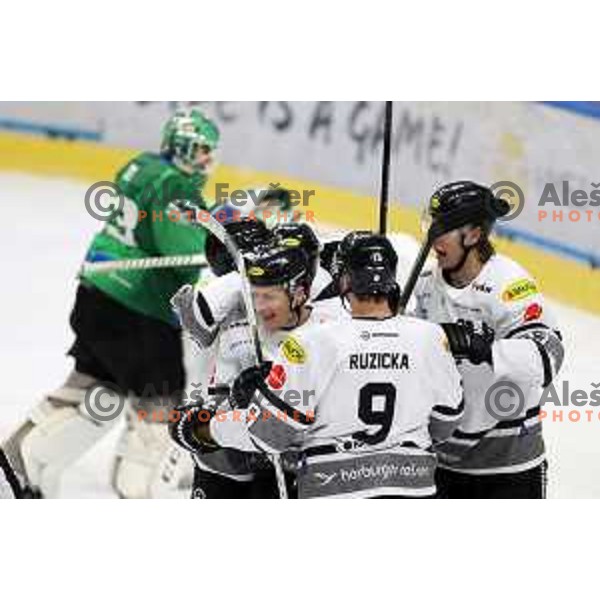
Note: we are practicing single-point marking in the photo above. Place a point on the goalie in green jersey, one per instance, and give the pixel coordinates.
(126, 336)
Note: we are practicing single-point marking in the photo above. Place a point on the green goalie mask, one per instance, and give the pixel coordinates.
(184, 133)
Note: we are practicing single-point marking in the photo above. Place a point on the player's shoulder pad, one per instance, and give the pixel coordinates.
(422, 326)
(299, 347)
(512, 281)
(427, 331)
(146, 165)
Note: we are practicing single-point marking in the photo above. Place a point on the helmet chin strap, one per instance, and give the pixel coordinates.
(344, 299)
(295, 310)
(346, 303)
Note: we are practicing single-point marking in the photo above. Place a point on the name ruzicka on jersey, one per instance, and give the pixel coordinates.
(379, 360)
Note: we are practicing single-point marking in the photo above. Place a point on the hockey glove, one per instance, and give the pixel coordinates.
(247, 382)
(191, 429)
(468, 342)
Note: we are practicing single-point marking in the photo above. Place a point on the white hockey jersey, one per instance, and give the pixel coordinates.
(359, 401)
(233, 352)
(501, 431)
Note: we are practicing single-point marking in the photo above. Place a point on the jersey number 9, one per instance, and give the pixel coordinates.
(370, 415)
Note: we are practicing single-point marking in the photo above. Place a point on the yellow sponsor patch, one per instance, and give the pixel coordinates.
(519, 290)
(293, 351)
(291, 242)
(256, 271)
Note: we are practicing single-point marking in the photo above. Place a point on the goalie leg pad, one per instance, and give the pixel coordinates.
(174, 477)
(141, 450)
(62, 432)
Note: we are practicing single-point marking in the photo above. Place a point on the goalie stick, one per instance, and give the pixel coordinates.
(135, 264)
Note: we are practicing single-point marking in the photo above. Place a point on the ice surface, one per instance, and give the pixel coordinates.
(46, 231)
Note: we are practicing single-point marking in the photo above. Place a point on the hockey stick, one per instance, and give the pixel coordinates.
(437, 228)
(385, 167)
(10, 476)
(415, 273)
(383, 210)
(211, 224)
(134, 264)
(162, 262)
(219, 231)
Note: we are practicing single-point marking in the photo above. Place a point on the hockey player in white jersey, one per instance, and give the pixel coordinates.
(215, 300)
(175, 473)
(360, 401)
(506, 343)
(303, 236)
(405, 246)
(281, 279)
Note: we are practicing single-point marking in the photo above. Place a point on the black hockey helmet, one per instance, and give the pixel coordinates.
(370, 262)
(280, 265)
(280, 195)
(249, 235)
(299, 235)
(464, 203)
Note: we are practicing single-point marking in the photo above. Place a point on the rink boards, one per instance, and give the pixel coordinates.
(568, 281)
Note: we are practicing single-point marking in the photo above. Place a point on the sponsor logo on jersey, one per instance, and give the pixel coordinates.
(293, 351)
(519, 290)
(350, 445)
(325, 478)
(379, 360)
(367, 335)
(385, 334)
(482, 287)
(533, 312)
(277, 377)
